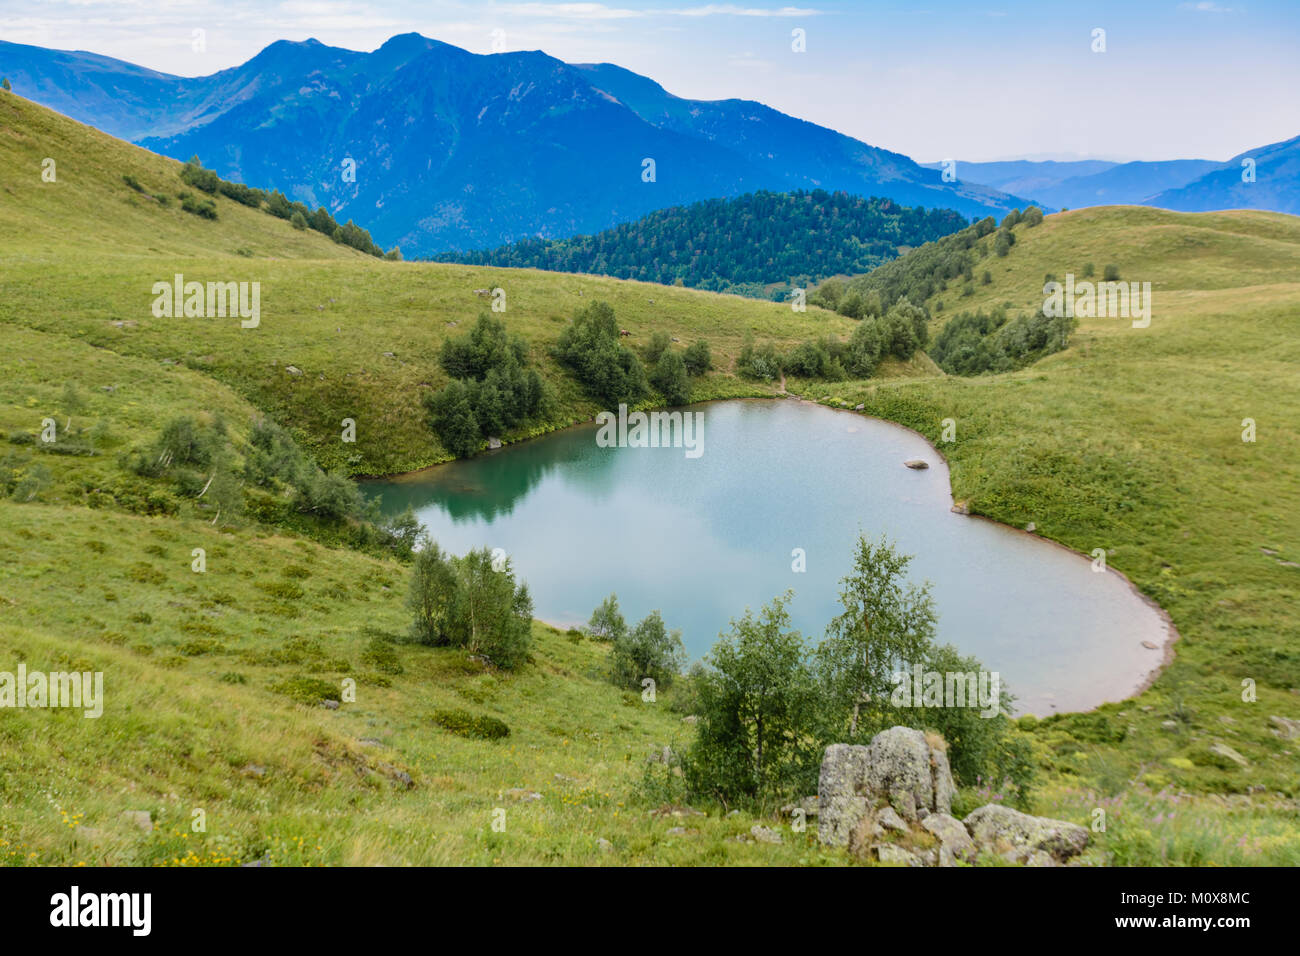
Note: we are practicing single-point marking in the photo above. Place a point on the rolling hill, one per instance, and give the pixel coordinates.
(761, 244)
(1129, 440)
(456, 151)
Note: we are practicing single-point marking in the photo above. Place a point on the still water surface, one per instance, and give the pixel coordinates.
(702, 539)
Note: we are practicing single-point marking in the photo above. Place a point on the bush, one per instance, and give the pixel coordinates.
(1111, 273)
(382, 656)
(660, 342)
(671, 378)
(607, 623)
(298, 221)
(307, 690)
(648, 650)
(466, 602)
(589, 347)
(698, 358)
(464, 724)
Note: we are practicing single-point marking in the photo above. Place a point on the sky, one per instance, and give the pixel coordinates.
(934, 79)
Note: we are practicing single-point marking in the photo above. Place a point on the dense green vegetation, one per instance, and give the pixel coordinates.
(972, 343)
(274, 202)
(762, 244)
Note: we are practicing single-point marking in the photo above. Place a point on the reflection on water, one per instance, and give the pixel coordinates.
(702, 539)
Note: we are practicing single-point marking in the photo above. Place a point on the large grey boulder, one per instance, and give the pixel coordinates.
(952, 835)
(900, 768)
(1020, 838)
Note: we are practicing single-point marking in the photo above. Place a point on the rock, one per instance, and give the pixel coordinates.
(139, 819)
(660, 755)
(370, 742)
(894, 855)
(1169, 725)
(917, 464)
(1151, 646)
(401, 778)
(951, 834)
(960, 507)
(293, 370)
(254, 770)
(330, 704)
(604, 846)
(682, 831)
(668, 810)
(858, 408)
(389, 355)
(887, 818)
(1031, 527)
(764, 834)
(690, 719)
(522, 795)
(1223, 750)
(901, 767)
(494, 443)
(808, 805)
(1018, 836)
(1285, 727)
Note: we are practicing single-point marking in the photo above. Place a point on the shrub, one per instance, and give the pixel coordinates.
(382, 656)
(307, 690)
(671, 378)
(464, 724)
(607, 623)
(648, 650)
(1111, 273)
(698, 358)
(589, 347)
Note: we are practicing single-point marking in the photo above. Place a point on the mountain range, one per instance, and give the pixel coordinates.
(436, 149)
(456, 151)
(1185, 185)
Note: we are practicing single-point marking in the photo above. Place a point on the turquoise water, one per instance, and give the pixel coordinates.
(703, 538)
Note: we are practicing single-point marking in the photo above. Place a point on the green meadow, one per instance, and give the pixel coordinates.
(1130, 441)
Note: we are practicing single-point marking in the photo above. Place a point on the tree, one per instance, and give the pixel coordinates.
(589, 346)
(884, 627)
(648, 650)
(298, 220)
(866, 345)
(660, 342)
(1032, 216)
(453, 420)
(431, 593)
(489, 614)
(757, 706)
(697, 357)
(4, 84)
(671, 378)
(607, 622)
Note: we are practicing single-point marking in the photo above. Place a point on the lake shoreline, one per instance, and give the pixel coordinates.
(1147, 676)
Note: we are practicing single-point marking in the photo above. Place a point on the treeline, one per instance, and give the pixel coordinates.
(926, 271)
(274, 202)
(899, 332)
(762, 244)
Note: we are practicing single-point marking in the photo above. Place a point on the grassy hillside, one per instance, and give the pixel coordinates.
(1129, 440)
(88, 249)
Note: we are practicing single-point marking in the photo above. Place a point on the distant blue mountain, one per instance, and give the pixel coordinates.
(1072, 185)
(1275, 186)
(456, 151)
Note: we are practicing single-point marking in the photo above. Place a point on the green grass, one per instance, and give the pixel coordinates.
(1129, 440)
